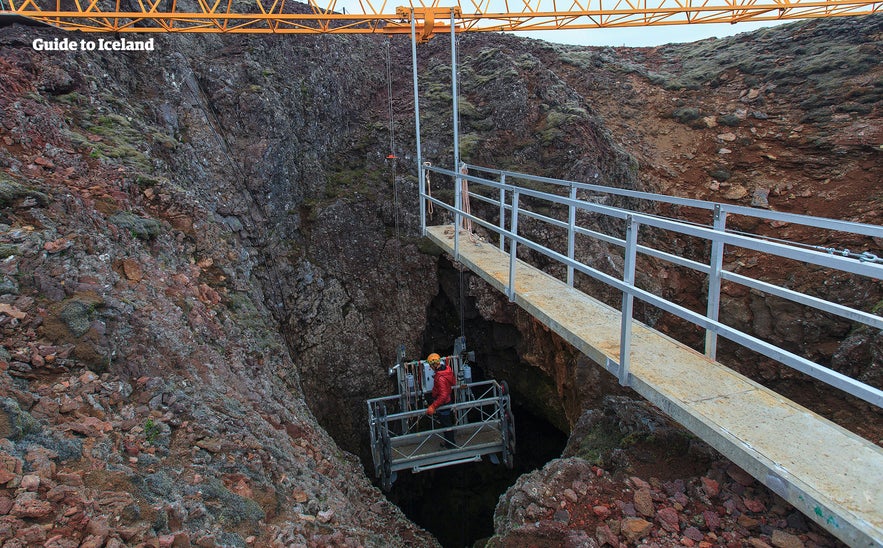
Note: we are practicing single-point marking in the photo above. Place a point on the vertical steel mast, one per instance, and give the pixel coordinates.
(421, 174)
(458, 182)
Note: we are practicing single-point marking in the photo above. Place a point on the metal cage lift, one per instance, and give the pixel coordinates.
(404, 437)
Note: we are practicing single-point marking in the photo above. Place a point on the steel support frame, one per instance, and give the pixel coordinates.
(458, 179)
(628, 299)
(571, 234)
(513, 243)
(714, 280)
(421, 173)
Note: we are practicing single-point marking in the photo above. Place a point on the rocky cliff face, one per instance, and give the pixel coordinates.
(171, 301)
(208, 261)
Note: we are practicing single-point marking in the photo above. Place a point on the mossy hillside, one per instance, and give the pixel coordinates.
(114, 131)
(813, 59)
(11, 191)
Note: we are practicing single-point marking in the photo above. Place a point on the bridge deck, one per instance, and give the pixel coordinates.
(830, 474)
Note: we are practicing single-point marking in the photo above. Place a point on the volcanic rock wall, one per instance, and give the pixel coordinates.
(162, 302)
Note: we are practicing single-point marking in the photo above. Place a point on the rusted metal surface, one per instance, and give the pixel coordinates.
(830, 474)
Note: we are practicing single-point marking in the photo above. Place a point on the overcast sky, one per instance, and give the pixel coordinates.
(646, 36)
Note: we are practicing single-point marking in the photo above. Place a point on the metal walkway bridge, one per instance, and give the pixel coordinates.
(830, 474)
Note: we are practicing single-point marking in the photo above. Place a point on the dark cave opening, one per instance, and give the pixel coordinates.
(457, 503)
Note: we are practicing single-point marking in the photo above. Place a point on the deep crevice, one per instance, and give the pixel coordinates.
(456, 504)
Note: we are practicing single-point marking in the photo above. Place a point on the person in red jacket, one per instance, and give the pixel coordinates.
(442, 387)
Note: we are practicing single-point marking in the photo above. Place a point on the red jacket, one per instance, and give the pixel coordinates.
(442, 384)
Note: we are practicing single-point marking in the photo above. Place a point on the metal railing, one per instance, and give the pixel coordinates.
(507, 200)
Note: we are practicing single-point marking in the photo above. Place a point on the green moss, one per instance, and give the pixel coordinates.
(72, 98)
(147, 181)
(11, 191)
(599, 442)
(15, 422)
(165, 141)
(141, 227)
(468, 111)
(233, 509)
(8, 250)
(348, 182)
(113, 121)
(469, 143)
(151, 430)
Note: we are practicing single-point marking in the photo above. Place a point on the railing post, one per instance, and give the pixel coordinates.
(502, 212)
(421, 173)
(571, 235)
(628, 276)
(458, 181)
(512, 246)
(714, 280)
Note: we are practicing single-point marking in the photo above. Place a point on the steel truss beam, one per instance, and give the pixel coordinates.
(332, 17)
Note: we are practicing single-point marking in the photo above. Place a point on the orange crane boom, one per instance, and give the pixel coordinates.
(363, 17)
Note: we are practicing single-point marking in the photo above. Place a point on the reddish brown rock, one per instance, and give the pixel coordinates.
(635, 529)
(30, 482)
(89, 426)
(12, 311)
(55, 246)
(73, 479)
(606, 536)
(710, 487)
(693, 533)
(35, 534)
(6, 476)
(132, 270)
(44, 161)
(31, 508)
(601, 511)
(5, 505)
(754, 505)
(62, 541)
(739, 476)
(781, 539)
(669, 519)
(712, 520)
(98, 528)
(644, 502)
(207, 541)
(92, 541)
(181, 540)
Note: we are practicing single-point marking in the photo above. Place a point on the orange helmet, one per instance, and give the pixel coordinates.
(433, 358)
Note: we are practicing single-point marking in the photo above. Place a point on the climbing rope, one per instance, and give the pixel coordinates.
(464, 184)
(429, 208)
(464, 198)
(464, 203)
(462, 305)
